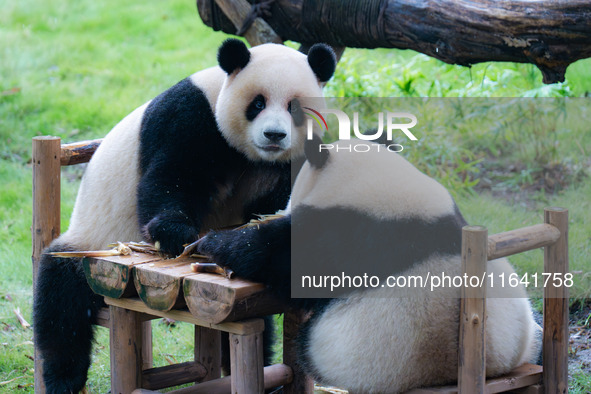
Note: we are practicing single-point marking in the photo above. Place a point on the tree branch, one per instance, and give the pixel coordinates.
(550, 34)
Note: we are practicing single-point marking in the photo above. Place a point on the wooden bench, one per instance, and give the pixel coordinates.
(139, 288)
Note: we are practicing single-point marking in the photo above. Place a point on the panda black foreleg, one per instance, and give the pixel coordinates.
(64, 309)
(170, 231)
(260, 253)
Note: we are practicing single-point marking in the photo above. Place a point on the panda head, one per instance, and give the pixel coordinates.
(258, 109)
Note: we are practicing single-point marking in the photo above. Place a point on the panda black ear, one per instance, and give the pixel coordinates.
(314, 154)
(323, 61)
(233, 54)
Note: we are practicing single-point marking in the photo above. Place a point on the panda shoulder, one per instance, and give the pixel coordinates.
(210, 82)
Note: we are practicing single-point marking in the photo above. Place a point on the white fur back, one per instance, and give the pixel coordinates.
(105, 209)
(382, 184)
(389, 343)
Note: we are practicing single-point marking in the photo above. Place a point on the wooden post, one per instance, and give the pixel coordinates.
(555, 343)
(208, 351)
(301, 384)
(46, 213)
(46, 195)
(147, 359)
(126, 350)
(472, 343)
(246, 363)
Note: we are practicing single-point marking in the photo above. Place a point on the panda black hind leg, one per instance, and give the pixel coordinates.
(64, 310)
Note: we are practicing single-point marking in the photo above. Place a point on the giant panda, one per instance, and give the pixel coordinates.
(377, 340)
(209, 152)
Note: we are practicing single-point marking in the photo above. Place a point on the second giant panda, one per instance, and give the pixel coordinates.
(209, 152)
(379, 340)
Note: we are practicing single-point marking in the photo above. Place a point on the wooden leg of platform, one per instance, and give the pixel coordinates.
(147, 359)
(208, 351)
(246, 363)
(126, 350)
(301, 382)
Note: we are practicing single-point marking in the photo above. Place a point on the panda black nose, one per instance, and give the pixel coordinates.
(274, 136)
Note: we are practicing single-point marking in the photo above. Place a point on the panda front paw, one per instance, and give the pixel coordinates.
(169, 232)
(236, 249)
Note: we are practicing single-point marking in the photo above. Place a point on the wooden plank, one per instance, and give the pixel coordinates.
(208, 351)
(521, 240)
(523, 376)
(125, 351)
(216, 299)
(78, 152)
(435, 390)
(46, 212)
(472, 344)
(301, 383)
(112, 276)
(158, 283)
(173, 375)
(275, 375)
(535, 389)
(243, 327)
(555, 337)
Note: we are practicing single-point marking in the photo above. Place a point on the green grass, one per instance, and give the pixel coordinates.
(75, 68)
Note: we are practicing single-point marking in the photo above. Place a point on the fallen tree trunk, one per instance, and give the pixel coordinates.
(550, 34)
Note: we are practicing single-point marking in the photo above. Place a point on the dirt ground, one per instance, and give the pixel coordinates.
(579, 347)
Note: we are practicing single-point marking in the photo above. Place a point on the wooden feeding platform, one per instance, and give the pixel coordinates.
(164, 284)
(141, 286)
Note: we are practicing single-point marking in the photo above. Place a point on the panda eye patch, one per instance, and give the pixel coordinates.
(295, 109)
(255, 107)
